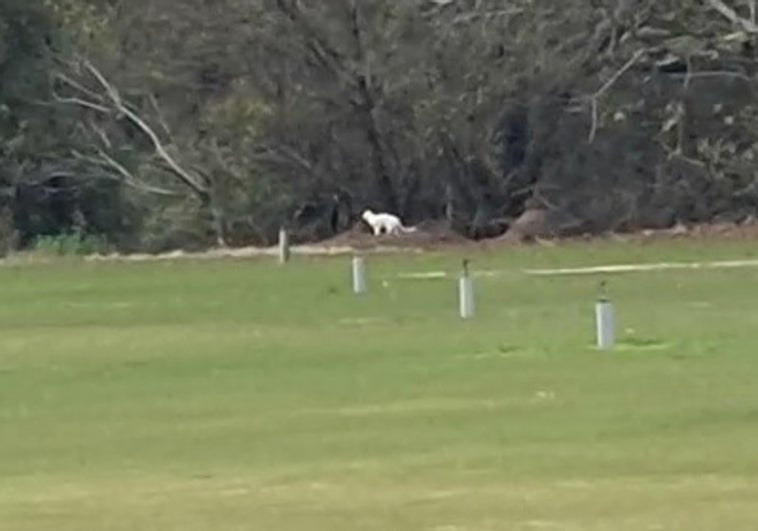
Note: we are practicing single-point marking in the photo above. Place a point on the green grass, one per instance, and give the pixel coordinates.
(237, 395)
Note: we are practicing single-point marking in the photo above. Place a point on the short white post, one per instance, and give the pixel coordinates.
(284, 246)
(605, 321)
(466, 293)
(360, 285)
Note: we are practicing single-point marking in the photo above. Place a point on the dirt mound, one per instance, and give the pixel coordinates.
(709, 232)
(747, 231)
(428, 235)
(531, 225)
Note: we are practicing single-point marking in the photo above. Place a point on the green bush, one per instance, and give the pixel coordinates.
(76, 243)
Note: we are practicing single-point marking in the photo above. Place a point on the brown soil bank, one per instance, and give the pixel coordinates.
(428, 235)
(435, 236)
(532, 227)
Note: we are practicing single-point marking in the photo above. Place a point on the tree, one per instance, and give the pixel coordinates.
(189, 123)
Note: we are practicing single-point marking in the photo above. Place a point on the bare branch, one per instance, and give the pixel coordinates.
(747, 25)
(79, 102)
(282, 154)
(78, 86)
(711, 74)
(187, 178)
(158, 113)
(120, 108)
(101, 134)
(620, 72)
(607, 86)
(127, 177)
(593, 129)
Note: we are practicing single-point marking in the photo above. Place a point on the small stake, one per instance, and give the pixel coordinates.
(284, 246)
(360, 285)
(605, 322)
(466, 292)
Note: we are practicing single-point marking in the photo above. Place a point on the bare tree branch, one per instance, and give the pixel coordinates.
(119, 107)
(67, 80)
(80, 103)
(593, 128)
(160, 149)
(747, 25)
(113, 105)
(158, 113)
(100, 132)
(127, 177)
(607, 86)
(620, 72)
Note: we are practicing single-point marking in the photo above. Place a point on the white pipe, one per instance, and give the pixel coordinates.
(284, 246)
(466, 293)
(605, 323)
(360, 286)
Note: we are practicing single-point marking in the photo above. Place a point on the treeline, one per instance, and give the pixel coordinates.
(186, 123)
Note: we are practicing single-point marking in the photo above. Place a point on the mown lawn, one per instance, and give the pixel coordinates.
(238, 395)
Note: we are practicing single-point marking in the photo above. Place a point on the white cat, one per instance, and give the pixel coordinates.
(385, 223)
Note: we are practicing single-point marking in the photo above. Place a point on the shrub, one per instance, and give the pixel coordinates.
(76, 243)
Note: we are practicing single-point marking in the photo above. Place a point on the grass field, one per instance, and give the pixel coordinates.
(237, 395)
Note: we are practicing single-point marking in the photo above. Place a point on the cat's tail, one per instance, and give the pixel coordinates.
(405, 229)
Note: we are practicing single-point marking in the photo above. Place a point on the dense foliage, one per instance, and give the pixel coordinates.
(188, 123)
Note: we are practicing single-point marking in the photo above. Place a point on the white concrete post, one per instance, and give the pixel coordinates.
(605, 321)
(284, 246)
(360, 286)
(466, 293)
